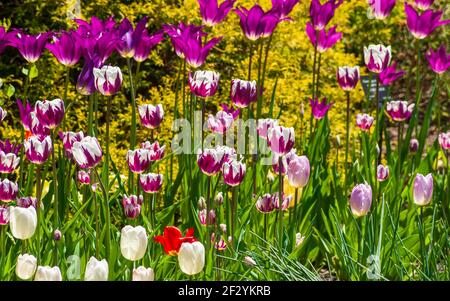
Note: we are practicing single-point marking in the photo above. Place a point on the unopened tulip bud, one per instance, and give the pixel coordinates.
(249, 261)
(219, 199)
(223, 228)
(361, 199)
(413, 145)
(57, 235)
(270, 176)
(382, 172)
(201, 203)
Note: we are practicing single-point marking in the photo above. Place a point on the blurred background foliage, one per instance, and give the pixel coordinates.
(290, 61)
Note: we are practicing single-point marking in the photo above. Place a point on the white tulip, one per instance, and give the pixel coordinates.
(143, 274)
(26, 266)
(133, 242)
(191, 258)
(46, 273)
(96, 270)
(23, 222)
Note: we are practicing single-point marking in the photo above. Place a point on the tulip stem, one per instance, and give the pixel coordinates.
(133, 120)
(249, 75)
(66, 87)
(318, 74)
(280, 200)
(208, 217)
(378, 125)
(108, 218)
(91, 115)
(234, 195)
(108, 121)
(347, 142)
(38, 211)
(55, 197)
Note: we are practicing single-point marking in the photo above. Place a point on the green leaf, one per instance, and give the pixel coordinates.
(10, 90)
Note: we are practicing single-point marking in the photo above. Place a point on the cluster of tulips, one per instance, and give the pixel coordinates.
(95, 41)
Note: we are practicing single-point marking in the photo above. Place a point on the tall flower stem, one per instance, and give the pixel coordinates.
(280, 200)
(108, 121)
(234, 195)
(133, 120)
(107, 213)
(208, 208)
(91, 115)
(418, 87)
(318, 75)
(378, 126)
(347, 142)
(313, 87)
(66, 101)
(249, 72)
(55, 195)
(38, 211)
(97, 225)
(203, 120)
(22, 131)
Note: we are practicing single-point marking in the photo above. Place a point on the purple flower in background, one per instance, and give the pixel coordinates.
(132, 205)
(30, 121)
(264, 125)
(285, 160)
(256, 23)
(138, 160)
(83, 177)
(68, 139)
(26, 202)
(444, 140)
(321, 14)
(8, 190)
(423, 4)
(156, 152)
(221, 122)
(181, 33)
(210, 160)
(390, 74)
(377, 57)
(212, 13)
(381, 9)
(95, 26)
(348, 77)
(413, 145)
(129, 37)
(399, 110)
(151, 116)
(283, 7)
(265, 203)
(195, 53)
(322, 39)
(4, 39)
(38, 149)
(85, 82)
(29, 46)
(281, 139)
(204, 83)
(107, 80)
(361, 199)
(145, 45)
(230, 110)
(382, 173)
(151, 182)
(319, 108)
(50, 112)
(364, 121)
(9, 160)
(439, 60)
(421, 25)
(4, 215)
(298, 171)
(243, 92)
(87, 152)
(65, 48)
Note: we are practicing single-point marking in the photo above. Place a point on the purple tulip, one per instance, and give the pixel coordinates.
(423, 189)
(85, 82)
(348, 77)
(382, 173)
(129, 37)
(66, 48)
(151, 182)
(145, 45)
(4, 39)
(203, 218)
(381, 9)
(256, 23)
(204, 83)
(265, 203)
(8, 190)
(4, 215)
(423, 4)
(50, 113)
(138, 160)
(233, 172)
(195, 53)
(26, 202)
(283, 7)
(439, 61)
(230, 110)
(298, 171)
(3, 114)
(321, 14)
(29, 46)
(212, 14)
(68, 139)
(151, 116)
(364, 121)
(181, 33)
(264, 125)
(390, 74)
(25, 114)
(87, 152)
(413, 145)
(281, 139)
(285, 160)
(38, 149)
(444, 140)
(83, 177)
(322, 39)
(361, 199)
(399, 110)
(421, 25)
(108, 80)
(319, 108)
(377, 57)
(285, 203)
(132, 205)
(221, 122)
(210, 160)
(155, 151)
(9, 160)
(243, 93)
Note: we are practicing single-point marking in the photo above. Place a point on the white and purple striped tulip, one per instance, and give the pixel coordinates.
(364, 121)
(210, 160)
(38, 149)
(265, 203)
(204, 83)
(264, 125)
(50, 112)
(8, 156)
(26, 202)
(444, 140)
(83, 177)
(138, 160)
(3, 114)
(399, 110)
(107, 80)
(132, 205)
(37, 127)
(243, 92)
(221, 122)
(68, 139)
(382, 173)
(151, 116)
(233, 172)
(348, 77)
(281, 139)
(151, 182)
(286, 201)
(377, 57)
(4, 215)
(156, 152)
(87, 152)
(285, 160)
(8, 190)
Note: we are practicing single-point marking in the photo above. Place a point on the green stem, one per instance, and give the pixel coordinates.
(91, 116)
(347, 142)
(38, 211)
(65, 99)
(55, 197)
(108, 217)
(280, 200)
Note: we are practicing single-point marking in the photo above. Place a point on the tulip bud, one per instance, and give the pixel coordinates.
(191, 257)
(201, 203)
(265, 203)
(3, 113)
(151, 182)
(219, 199)
(220, 245)
(413, 145)
(133, 242)
(270, 176)
(299, 239)
(243, 92)
(8, 190)
(107, 80)
(423, 189)
(26, 202)
(364, 121)
(223, 228)
(210, 160)
(50, 113)
(143, 274)
(298, 171)
(204, 83)
(348, 77)
(132, 205)
(382, 172)
(361, 199)
(302, 109)
(338, 140)
(26, 266)
(46, 273)
(23, 222)
(233, 172)
(4, 215)
(57, 235)
(96, 270)
(83, 177)
(249, 261)
(151, 116)
(38, 149)
(138, 160)
(444, 140)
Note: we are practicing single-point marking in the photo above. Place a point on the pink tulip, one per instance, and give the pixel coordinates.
(361, 199)
(423, 189)
(298, 171)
